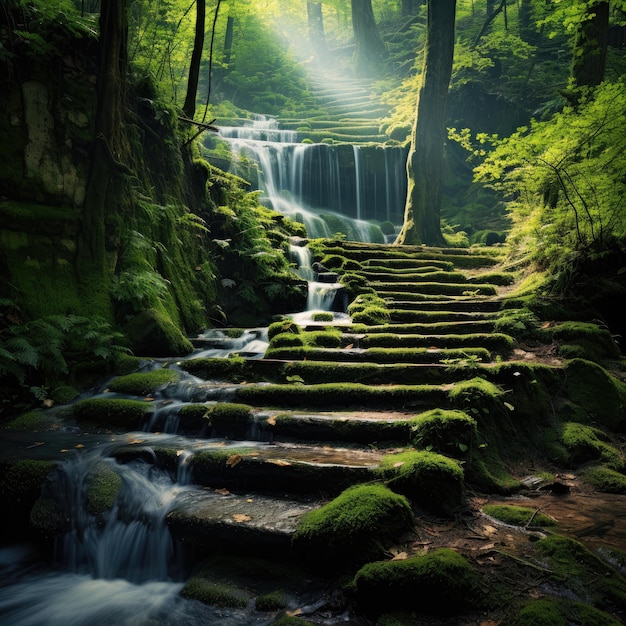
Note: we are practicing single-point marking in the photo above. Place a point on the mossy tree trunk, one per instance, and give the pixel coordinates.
(592, 38)
(370, 48)
(103, 192)
(409, 7)
(422, 222)
(228, 39)
(189, 107)
(317, 36)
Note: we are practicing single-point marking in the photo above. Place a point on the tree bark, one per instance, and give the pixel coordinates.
(422, 222)
(409, 7)
(370, 49)
(107, 146)
(189, 107)
(590, 48)
(228, 40)
(317, 37)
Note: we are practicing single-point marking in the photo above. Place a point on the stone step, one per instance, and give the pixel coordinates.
(445, 303)
(268, 468)
(498, 342)
(241, 523)
(378, 355)
(434, 288)
(406, 277)
(401, 316)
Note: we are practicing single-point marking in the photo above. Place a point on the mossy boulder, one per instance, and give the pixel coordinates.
(598, 396)
(152, 334)
(585, 443)
(451, 432)
(143, 383)
(215, 594)
(112, 413)
(357, 526)
(440, 582)
(103, 487)
(273, 601)
(432, 480)
(560, 612)
(282, 326)
(605, 479)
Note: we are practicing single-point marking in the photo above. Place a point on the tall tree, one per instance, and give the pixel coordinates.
(592, 39)
(108, 145)
(422, 222)
(370, 48)
(189, 107)
(317, 36)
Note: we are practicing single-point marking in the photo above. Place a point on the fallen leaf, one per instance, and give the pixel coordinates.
(48, 403)
(241, 517)
(179, 452)
(350, 345)
(400, 556)
(488, 546)
(233, 460)
(64, 450)
(271, 420)
(136, 441)
(223, 491)
(398, 464)
(294, 613)
(79, 445)
(280, 462)
(249, 500)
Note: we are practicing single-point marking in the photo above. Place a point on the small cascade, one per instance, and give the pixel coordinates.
(328, 188)
(134, 543)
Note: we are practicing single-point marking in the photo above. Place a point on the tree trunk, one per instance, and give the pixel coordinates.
(590, 47)
(228, 40)
(189, 108)
(370, 49)
(422, 222)
(317, 37)
(409, 7)
(101, 194)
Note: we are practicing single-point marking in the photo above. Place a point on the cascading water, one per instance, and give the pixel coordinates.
(327, 187)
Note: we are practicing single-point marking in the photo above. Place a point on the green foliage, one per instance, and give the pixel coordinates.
(564, 178)
(43, 351)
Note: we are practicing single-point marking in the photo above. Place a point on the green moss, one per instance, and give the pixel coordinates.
(357, 526)
(64, 394)
(605, 479)
(112, 413)
(477, 396)
(440, 582)
(103, 487)
(432, 480)
(153, 334)
(450, 432)
(47, 517)
(322, 316)
(215, 594)
(143, 383)
(599, 396)
(584, 443)
(593, 342)
(33, 421)
(518, 515)
(273, 601)
(21, 478)
(560, 612)
(283, 326)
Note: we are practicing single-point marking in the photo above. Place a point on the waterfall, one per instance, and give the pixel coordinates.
(328, 188)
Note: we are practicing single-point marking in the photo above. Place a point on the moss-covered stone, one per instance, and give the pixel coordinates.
(518, 515)
(273, 601)
(33, 421)
(605, 479)
(143, 383)
(153, 334)
(357, 526)
(112, 413)
(585, 443)
(598, 395)
(451, 432)
(283, 326)
(561, 612)
(440, 582)
(215, 594)
(103, 487)
(430, 479)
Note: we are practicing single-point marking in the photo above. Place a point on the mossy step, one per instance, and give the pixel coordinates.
(454, 326)
(280, 371)
(491, 341)
(458, 260)
(275, 468)
(249, 523)
(471, 305)
(353, 396)
(400, 316)
(402, 277)
(377, 355)
(319, 136)
(408, 266)
(450, 289)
